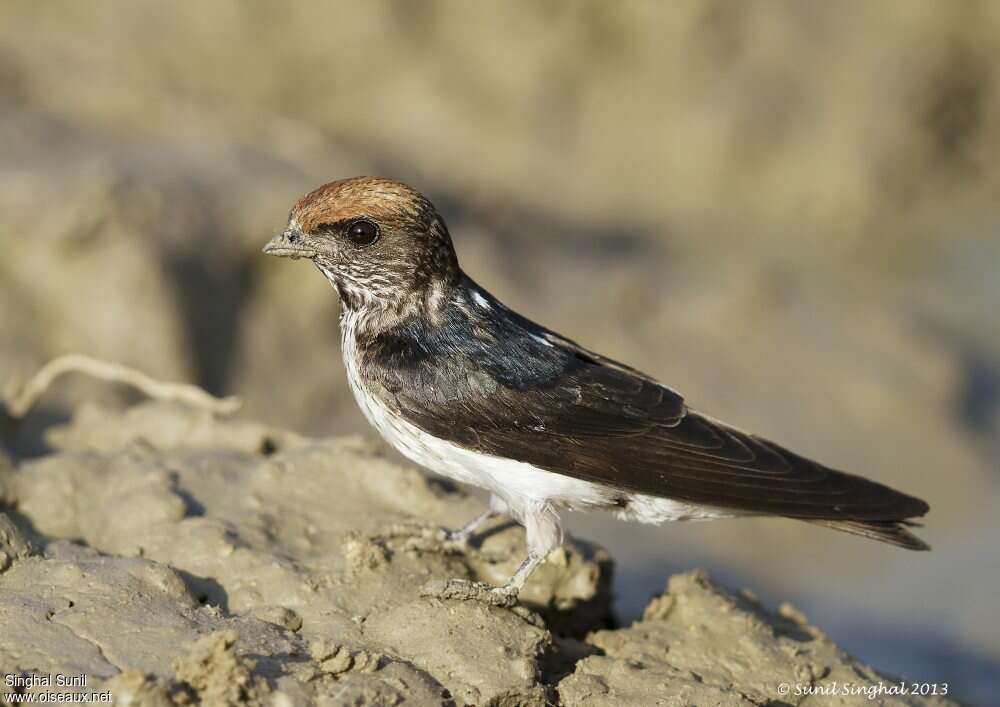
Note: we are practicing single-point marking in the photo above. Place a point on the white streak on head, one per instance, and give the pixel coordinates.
(545, 341)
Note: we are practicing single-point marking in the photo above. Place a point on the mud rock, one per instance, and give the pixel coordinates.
(217, 674)
(177, 559)
(185, 526)
(14, 544)
(700, 644)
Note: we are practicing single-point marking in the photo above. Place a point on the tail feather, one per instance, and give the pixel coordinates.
(893, 532)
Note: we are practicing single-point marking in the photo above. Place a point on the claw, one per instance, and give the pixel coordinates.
(467, 590)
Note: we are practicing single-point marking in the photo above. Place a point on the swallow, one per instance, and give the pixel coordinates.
(472, 390)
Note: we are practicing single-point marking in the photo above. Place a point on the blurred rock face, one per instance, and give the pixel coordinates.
(818, 118)
(786, 212)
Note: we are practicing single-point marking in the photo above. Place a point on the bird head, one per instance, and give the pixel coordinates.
(378, 241)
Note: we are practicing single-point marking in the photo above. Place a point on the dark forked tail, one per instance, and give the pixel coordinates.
(893, 532)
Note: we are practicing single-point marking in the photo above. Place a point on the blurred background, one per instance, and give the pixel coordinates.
(786, 210)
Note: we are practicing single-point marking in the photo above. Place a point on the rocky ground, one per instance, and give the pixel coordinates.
(175, 558)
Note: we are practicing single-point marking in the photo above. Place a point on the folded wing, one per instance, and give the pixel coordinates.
(544, 400)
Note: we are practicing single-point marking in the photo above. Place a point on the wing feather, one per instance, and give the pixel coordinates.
(544, 400)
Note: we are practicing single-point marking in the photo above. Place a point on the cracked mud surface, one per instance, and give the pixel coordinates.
(177, 559)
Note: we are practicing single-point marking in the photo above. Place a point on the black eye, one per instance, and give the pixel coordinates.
(362, 232)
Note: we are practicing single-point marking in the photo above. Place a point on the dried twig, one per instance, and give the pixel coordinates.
(20, 403)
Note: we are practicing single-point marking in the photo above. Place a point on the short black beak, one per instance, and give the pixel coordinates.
(287, 244)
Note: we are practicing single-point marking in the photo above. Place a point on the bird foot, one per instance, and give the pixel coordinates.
(467, 590)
